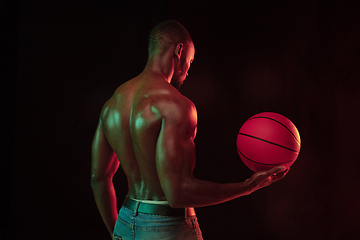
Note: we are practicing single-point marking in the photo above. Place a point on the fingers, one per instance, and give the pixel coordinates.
(278, 173)
(275, 172)
(277, 169)
(265, 178)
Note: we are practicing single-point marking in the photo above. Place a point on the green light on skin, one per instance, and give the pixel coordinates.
(143, 119)
(113, 119)
(139, 122)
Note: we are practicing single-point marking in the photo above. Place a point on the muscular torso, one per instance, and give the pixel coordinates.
(132, 122)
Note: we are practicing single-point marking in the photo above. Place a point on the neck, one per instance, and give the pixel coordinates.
(163, 65)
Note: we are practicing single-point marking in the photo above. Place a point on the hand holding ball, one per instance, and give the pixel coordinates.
(267, 140)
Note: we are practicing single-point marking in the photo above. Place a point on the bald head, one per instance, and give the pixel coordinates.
(166, 34)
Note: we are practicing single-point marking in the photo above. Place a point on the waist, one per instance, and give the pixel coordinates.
(157, 208)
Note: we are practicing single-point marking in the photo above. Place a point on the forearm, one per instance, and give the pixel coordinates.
(175, 162)
(105, 197)
(182, 189)
(199, 193)
(192, 192)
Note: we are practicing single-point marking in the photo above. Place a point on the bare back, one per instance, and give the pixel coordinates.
(132, 122)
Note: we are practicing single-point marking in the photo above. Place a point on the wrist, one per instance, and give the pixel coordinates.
(249, 186)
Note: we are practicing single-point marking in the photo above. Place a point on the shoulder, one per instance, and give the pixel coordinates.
(176, 108)
(178, 116)
(173, 102)
(106, 108)
(120, 99)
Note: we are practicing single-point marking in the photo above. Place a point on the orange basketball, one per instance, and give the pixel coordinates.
(267, 140)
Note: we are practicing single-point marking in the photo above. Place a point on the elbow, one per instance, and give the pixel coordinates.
(178, 199)
(180, 193)
(179, 202)
(174, 203)
(96, 181)
(172, 197)
(93, 182)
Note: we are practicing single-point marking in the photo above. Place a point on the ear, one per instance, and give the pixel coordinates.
(178, 50)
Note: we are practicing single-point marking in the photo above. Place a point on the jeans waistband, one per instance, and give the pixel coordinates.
(155, 209)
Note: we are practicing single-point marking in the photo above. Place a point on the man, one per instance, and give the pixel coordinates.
(149, 127)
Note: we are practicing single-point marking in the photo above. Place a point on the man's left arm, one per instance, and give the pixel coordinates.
(104, 165)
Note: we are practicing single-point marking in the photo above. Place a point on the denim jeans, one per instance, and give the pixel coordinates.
(131, 225)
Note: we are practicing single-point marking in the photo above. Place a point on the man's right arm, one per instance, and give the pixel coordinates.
(175, 158)
(104, 164)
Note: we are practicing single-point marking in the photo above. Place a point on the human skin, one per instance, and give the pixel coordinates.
(149, 127)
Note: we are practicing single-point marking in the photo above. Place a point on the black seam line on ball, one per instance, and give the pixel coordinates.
(275, 164)
(280, 124)
(267, 142)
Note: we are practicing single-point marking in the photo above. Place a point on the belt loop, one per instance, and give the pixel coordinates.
(136, 209)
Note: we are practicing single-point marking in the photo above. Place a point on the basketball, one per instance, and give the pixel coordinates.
(267, 140)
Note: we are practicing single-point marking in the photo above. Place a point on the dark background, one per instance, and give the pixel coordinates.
(64, 59)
